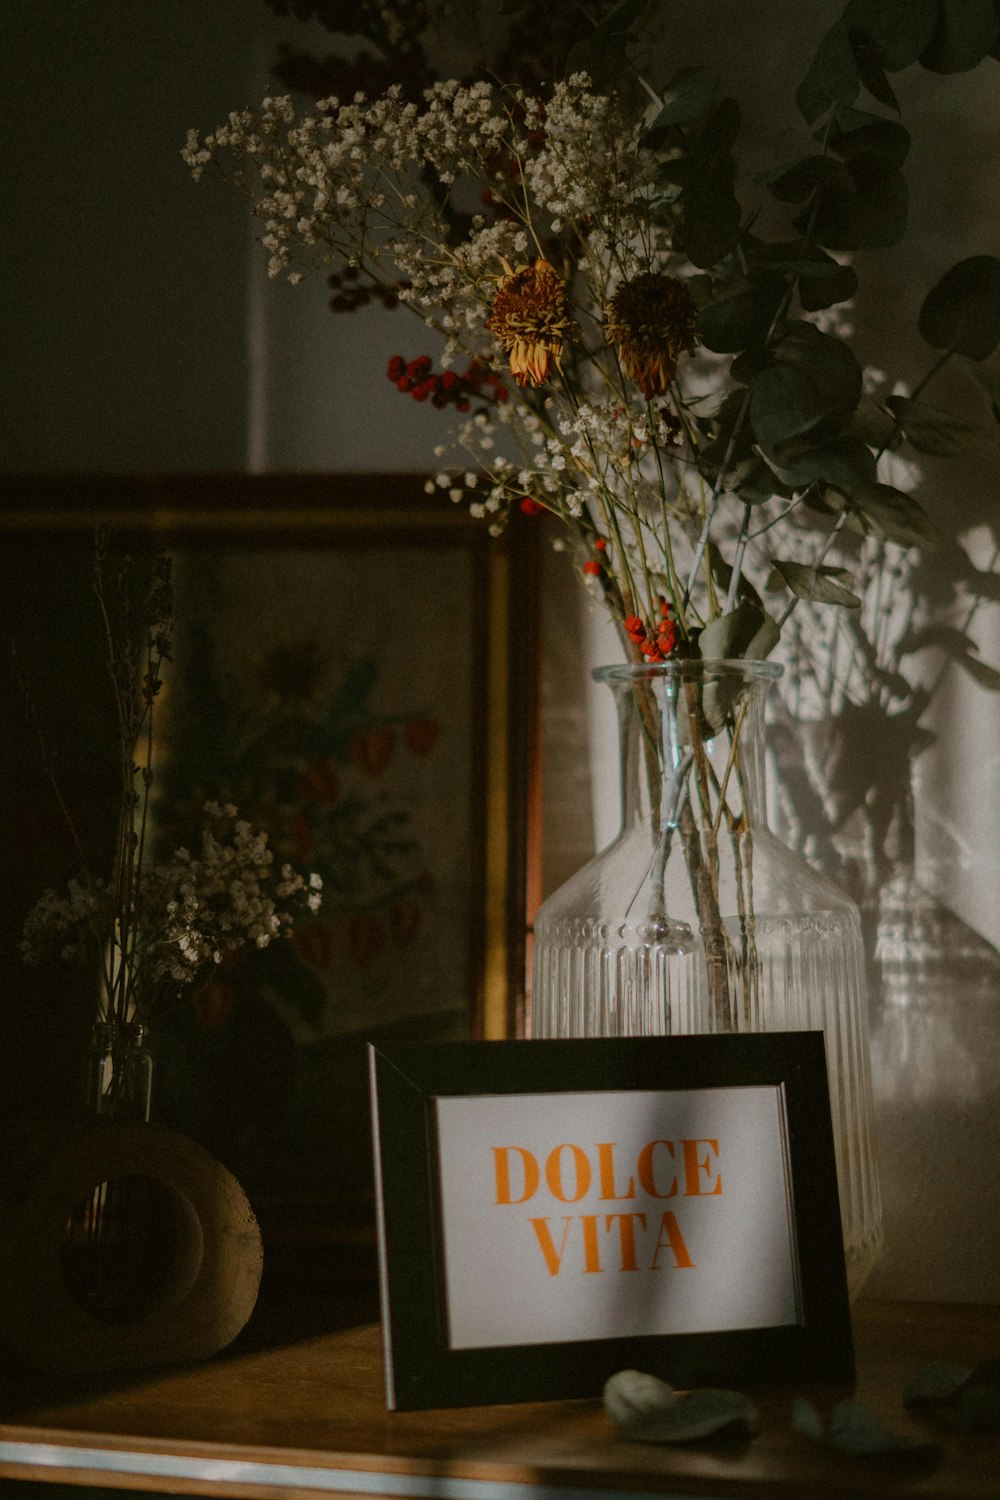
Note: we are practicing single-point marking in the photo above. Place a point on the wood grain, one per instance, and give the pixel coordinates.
(316, 1404)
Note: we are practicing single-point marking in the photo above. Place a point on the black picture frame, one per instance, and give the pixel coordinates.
(423, 1371)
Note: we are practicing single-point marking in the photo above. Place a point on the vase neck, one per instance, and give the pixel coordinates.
(692, 744)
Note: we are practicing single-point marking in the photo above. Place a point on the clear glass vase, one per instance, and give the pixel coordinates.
(118, 1076)
(698, 919)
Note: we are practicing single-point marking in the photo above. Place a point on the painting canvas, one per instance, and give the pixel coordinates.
(352, 674)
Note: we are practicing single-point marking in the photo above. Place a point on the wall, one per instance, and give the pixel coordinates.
(126, 289)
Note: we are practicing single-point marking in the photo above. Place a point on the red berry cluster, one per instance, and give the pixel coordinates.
(594, 567)
(450, 388)
(350, 293)
(659, 646)
(529, 506)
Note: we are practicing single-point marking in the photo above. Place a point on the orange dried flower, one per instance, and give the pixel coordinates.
(651, 319)
(531, 320)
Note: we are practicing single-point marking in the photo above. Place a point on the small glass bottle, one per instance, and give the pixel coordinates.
(118, 1079)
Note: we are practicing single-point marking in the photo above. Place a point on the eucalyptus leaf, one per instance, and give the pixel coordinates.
(822, 281)
(858, 211)
(932, 430)
(857, 1433)
(810, 390)
(722, 574)
(962, 312)
(822, 585)
(798, 182)
(965, 1400)
(832, 77)
(748, 365)
(646, 1410)
(743, 321)
(710, 212)
(986, 381)
(893, 515)
(874, 425)
(747, 632)
(871, 72)
(686, 96)
(898, 29)
(966, 32)
(731, 443)
(825, 290)
(633, 1398)
(756, 484)
(604, 53)
(935, 1382)
(885, 143)
(843, 463)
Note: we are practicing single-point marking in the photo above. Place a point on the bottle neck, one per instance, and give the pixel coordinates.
(691, 746)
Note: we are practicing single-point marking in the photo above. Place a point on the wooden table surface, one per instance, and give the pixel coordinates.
(307, 1417)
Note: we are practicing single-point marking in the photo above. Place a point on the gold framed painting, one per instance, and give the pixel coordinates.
(355, 671)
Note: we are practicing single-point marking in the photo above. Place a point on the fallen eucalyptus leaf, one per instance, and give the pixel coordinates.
(634, 1397)
(857, 1433)
(965, 1400)
(934, 1383)
(647, 1410)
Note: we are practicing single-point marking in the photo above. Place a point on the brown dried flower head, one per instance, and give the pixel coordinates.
(651, 319)
(531, 320)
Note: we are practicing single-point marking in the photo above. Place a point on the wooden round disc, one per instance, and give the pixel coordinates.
(205, 1281)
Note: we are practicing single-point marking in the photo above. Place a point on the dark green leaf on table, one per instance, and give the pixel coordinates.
(965, 1400)
(935, 1382)
(856, 1432)
(962, 312)
(647, 1410)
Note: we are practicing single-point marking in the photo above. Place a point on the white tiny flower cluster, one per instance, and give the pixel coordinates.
(347, 184)
(191, 911)
(225, 899)
(63, 926)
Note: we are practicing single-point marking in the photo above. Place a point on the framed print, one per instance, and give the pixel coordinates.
(354, 672)
(552, 1212)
